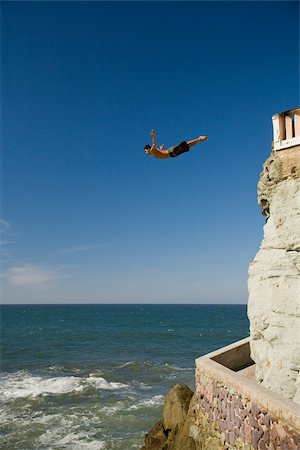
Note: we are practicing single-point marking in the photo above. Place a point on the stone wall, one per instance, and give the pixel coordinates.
(229, 410)
(232, 418)
(274, 278)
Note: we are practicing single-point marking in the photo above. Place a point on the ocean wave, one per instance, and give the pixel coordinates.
(119, 406)
(126, 364)
(156, 400)
(102, 383)
(69, 428)
(22, 385)
(143, 386)
(76, 430)
(78, 441)
(179, 368)
(135, 365)
(64, 368)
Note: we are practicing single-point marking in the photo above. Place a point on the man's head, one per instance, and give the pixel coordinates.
(147, 149)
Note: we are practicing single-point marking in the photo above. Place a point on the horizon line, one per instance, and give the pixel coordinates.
(122, 304)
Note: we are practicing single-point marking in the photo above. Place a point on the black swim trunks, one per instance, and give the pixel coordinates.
(181, 148)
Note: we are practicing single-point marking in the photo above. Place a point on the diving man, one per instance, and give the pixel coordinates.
(171, 152)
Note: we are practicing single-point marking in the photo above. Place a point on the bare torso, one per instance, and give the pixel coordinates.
(161, 154)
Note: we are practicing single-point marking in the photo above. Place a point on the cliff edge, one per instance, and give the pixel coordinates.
(274, 278)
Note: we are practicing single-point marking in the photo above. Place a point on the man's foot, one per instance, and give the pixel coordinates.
(202, 138)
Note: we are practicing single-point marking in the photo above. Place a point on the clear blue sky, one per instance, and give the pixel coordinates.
(86, 215)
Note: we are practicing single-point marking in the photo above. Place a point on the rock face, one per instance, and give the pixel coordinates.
(274, 278)
(173, 432)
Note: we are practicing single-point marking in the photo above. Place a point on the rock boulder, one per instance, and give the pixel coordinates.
(173, 432)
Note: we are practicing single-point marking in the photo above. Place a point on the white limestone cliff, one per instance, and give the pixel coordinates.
(274, 278)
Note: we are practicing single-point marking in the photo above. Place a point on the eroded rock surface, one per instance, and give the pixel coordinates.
(173, 432)
(274, 278)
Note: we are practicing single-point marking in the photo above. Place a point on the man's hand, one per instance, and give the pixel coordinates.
(152, 133)
(162, 147)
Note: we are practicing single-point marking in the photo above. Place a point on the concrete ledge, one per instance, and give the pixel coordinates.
(238, 410)
(215, 364)
(235, 356)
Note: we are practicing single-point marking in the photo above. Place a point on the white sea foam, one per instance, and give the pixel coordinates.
(71, 440)
(78, 441)
(73, 431)
(156, 400)
(102, 383)
(144, 387)
(64, 369)
(6, 416)
(22, 385)
(119, 406)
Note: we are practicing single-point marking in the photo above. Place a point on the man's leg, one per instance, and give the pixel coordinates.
(184, 146)
(196, 141)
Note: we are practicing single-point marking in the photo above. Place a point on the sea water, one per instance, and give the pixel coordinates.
(94, 376)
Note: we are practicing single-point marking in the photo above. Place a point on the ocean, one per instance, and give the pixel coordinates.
(95, 376)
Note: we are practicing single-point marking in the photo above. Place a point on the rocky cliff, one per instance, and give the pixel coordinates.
(274, 278)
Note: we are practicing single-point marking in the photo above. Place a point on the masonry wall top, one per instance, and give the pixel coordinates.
(286, 129)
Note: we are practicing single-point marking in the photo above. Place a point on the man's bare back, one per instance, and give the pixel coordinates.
(171, 152)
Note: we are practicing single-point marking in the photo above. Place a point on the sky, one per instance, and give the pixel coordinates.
(86, 216)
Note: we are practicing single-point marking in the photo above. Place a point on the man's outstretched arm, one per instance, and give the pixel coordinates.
(157, 152)
(153, 134)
